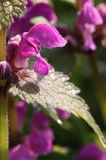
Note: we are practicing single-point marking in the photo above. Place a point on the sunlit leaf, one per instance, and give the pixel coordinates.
(54, 91)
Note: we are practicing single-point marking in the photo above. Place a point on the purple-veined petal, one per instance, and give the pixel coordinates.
(41, 66)
(48, 35)
(29, 46)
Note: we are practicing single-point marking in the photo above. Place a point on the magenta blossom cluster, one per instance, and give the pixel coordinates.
(91, 152)
(26, 39)
(88, 18)
(40, 139)
(21, 48)
(39, 119)
(38, 142)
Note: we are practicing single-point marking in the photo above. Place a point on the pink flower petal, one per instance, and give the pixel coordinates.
(41, 66)
(28, 47)
(48, 35)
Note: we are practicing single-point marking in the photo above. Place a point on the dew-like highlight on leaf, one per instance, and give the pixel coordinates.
(53, 91)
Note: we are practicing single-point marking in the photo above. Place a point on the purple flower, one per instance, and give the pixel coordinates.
(30, 44)
(33, 10)
(48, 35)
(89, 15)
(21, 109)
(88, 18)
(21, 152)
(12, 50)
(40, 120)
(40, 141)
(90, 152)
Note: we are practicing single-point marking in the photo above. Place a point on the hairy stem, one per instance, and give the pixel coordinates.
(98, 84)
(3, 44)
(3, 102)
(3, 126)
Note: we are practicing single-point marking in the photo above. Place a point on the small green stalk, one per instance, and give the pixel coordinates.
(2, 44)
(8, 9)
(3, 126)
(3, 102)
(101, 94)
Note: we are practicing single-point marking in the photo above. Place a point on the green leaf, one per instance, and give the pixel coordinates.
(54, 91)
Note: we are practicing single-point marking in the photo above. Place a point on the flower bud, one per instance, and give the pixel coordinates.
(9, 8)
(5, 70)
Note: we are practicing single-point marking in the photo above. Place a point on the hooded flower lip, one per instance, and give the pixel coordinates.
(41, 9)
(48, 36)
(40, 35)
(89, 15)
(23, 24)
(88, 18)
